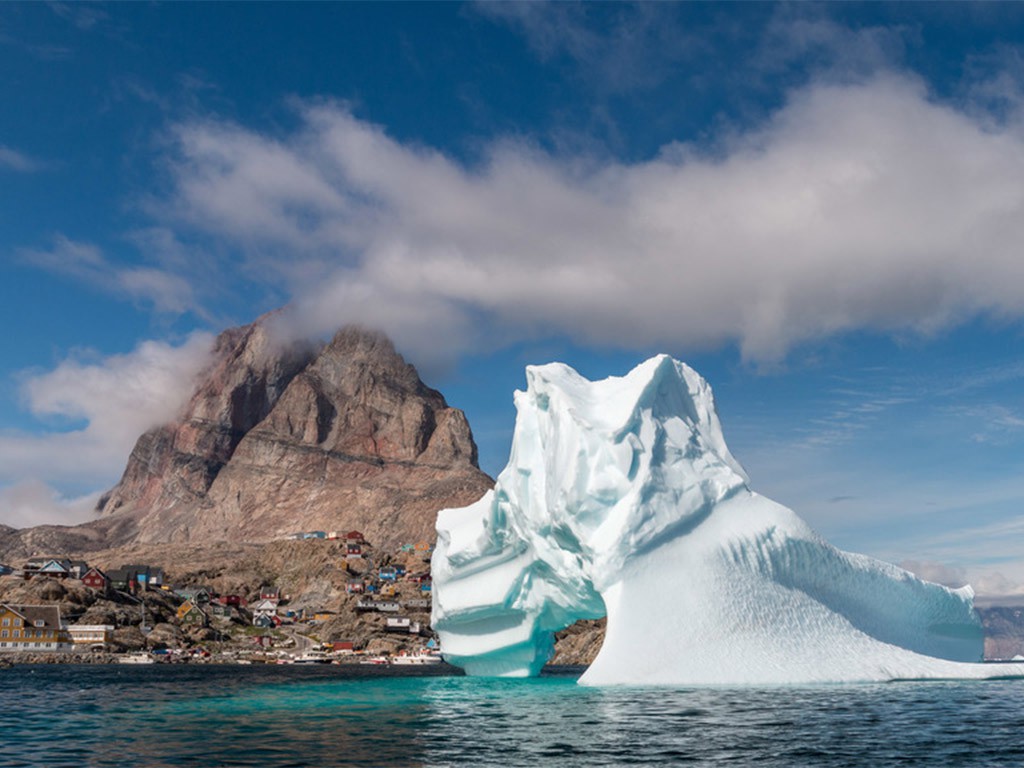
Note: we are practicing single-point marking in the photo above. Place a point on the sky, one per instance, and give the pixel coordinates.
(818, 207)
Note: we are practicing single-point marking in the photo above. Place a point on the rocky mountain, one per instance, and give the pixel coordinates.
(278, 438)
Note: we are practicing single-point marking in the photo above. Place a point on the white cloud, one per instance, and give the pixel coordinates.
(856, 206)
(32, 503)
(109, 402)
(166, 291)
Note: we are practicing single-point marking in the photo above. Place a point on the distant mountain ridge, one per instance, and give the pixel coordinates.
(278, 438)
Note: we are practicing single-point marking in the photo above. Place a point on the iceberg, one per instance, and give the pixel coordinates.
(621, 499)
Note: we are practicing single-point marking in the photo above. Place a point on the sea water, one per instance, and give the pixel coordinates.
(209, 715)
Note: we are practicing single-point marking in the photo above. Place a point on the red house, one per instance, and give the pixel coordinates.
(94, 578)
(355, 537)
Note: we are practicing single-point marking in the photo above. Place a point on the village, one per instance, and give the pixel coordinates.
(348, 604)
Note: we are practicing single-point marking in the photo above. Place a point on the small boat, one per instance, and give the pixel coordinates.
(419, 658)
(313, 657)
(376, 660)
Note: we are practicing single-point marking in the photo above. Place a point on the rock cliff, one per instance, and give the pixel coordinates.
(278, 438)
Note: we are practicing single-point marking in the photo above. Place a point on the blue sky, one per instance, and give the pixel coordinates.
(819, 207)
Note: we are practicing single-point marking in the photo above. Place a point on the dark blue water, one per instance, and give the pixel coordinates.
(337, 716)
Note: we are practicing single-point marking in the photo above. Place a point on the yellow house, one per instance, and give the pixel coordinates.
(32, 628)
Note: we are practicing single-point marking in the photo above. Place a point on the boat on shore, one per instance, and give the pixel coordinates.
(313, 657)
(417, 659)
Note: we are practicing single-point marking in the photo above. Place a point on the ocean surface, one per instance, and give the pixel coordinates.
(207, 715)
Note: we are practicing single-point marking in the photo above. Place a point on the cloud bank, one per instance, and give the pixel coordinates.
(855, 206)
(96, 410)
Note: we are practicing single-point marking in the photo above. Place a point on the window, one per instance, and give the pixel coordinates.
(17, 622)
(40, 623)
(17, 634)
(3, 633)
(7, 622)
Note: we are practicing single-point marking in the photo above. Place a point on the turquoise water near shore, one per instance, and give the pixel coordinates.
(165, 715)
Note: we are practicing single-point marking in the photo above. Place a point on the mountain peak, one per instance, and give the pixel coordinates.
(279, 437)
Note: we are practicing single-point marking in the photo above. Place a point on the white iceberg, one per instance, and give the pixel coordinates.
(621, 499)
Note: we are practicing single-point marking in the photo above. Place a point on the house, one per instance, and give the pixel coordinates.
(388, 590)
(355, 537)
(341, 646)
(384, 606)
(266, 622)
(425, 587)
(264, 609)
(387, 573)
(32, 628)
(270, 593)
(78, 569)
(32, 566)
(422, 546)
(402, 625)
(119, 579)
(315, 535)
(5, 570)
(232, 600)
(96, 579)
(91, 637)
(396, 624)
(399, 570)
(418, 578)
(354, 587)
(406, 548)
(353, 550)
(416, 603)
(54, 568)
(191, 613)
(324, 615)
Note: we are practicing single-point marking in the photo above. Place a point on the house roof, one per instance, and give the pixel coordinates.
(32, 614)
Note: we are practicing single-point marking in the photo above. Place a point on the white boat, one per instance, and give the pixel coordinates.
(377, 660)
(136, 658)
(313, 657)
(423, 657)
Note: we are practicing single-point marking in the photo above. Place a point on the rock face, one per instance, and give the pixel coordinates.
(283, 438)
